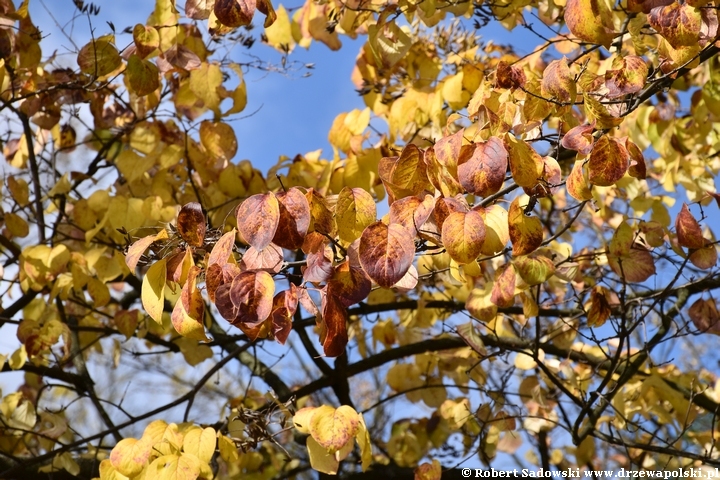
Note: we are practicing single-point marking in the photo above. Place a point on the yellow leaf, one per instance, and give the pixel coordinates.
(279, 34)
(18, 358)
(320, 459)
(153, 290)
(130, 455)
(219, 140)
(201, 443)
(175, 467)
(302, 417)
(355, 210)
(228, 450)
(334, 428)
(362, 437)
(239, 95)
(204, 83)
(108, 472)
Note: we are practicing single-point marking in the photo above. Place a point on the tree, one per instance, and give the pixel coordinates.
(507, 263)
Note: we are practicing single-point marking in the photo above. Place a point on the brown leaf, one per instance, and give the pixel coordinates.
(688, 230)
(251, 293)
(386, 252)
(348, 284)
(213, 279)
(284, 307)
(234, 13)
(704, 258)
(600, 309)
(637, 266)
(579, 138)
(294, 219)
(257, 219)
(704, 315)
(199, 9)
(509, 76)
(484, 173)
(180, 56)
(334, 318)
(608, 162)
(191, 224)
(637, 168)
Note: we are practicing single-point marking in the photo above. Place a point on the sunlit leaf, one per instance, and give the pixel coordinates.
(258, 218)
(386, 252)
(463, 235)
(153, 290)
(609, 160)
(526, 232)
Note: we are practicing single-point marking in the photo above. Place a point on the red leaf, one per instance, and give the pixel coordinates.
(251, 294)
(579, 138)
(484, 173)
(349, 284)
(334, 319)
(294, 219)
(257, 219)
(222, 249)
(386, 252)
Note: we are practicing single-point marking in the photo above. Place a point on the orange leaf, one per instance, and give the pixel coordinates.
(600, 309)
(558, 83)
(484, 173)
(222, 249)
(579, 138)
(526, 233)
(608, 162)
(503, 290)
(689, 233)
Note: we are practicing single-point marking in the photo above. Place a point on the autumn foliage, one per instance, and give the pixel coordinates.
(508, 258)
